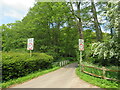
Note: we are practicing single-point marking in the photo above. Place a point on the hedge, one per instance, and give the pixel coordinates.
(16, 65)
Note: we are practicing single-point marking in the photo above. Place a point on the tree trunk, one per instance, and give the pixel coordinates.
(111, 32)
(78, 18)
(80, 28)
(96, 23)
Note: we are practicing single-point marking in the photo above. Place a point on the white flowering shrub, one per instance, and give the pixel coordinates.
(106, 52)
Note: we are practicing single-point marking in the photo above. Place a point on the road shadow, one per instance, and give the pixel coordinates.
(72, 65)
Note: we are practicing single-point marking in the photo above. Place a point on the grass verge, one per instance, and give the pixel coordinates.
(109, 74)
(102, 83)
(26, 78)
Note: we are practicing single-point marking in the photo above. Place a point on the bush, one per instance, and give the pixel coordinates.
(20, 64)
(107, 52)
(103, 53)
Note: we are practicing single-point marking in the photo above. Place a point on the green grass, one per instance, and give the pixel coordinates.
(26, 78)
(102, 83)
(108, 74)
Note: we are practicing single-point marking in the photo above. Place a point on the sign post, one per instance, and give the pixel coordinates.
(30, 53)
(81, 48)
(30, 45)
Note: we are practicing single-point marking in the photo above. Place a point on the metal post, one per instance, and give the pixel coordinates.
(30, 53)
(80, 59)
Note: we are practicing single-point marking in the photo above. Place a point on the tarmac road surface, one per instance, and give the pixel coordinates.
(62, 78)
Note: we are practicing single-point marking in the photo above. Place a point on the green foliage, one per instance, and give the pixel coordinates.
(108, 74)
(89, 36)
(102, 83)
(87, 53)
(45, 22)
(103, 53)
(26, 78)
(54, 29)
(107, 52)
(20, 64)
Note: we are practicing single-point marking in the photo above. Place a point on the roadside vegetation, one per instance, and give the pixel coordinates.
(30, 76)
(108, 74)
(102, 83)
(26, 68)
(20, 64)
(56, 28)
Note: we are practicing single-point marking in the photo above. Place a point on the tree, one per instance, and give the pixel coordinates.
(77, 17)
(96, 23)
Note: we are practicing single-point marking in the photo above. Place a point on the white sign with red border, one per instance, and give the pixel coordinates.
(81, 44)
(30, 44)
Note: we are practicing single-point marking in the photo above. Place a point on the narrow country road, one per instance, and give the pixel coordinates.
(62, 78)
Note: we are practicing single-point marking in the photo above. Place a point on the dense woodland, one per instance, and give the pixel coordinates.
(57, 26)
